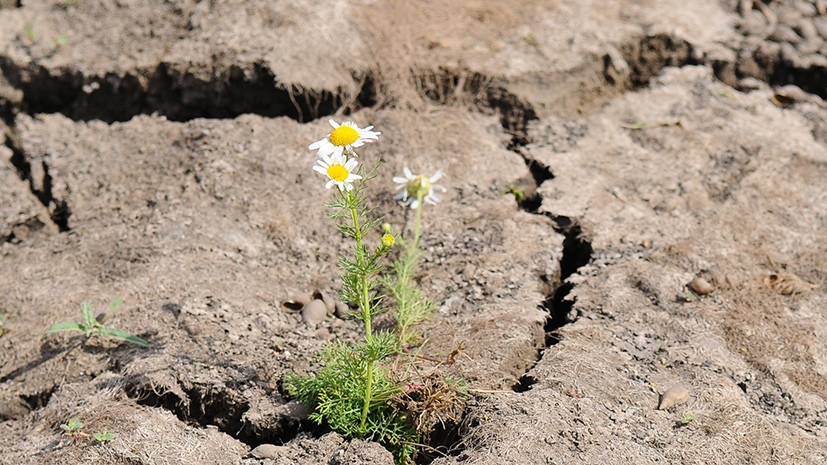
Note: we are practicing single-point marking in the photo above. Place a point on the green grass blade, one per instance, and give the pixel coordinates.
(66, 326)
(88, 318)
(123, 336)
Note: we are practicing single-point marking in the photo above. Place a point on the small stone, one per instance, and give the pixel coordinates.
(268, 451)
(322, 333)
(314, 312)
(342, 310)
(673, 396)
(701, 286)
(327, 299)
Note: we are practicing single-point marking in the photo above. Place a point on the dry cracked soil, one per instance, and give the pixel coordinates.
(656, 294)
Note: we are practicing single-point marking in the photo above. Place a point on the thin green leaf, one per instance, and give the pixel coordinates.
(66, 326)
(123, 336)
(88, 319)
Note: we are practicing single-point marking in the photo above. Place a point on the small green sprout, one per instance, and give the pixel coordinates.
(62, 40)
(94, 326)
(3, 323)
(73, 428)
(104, 436)
(515, 191)
(28, 31)
(687, 418)
(687, 296)
(634, 126)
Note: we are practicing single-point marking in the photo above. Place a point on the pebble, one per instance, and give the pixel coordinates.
(673, 396)
(342, 310)
(327, 299)
(268, 451)
(314, 312)
(701, 286)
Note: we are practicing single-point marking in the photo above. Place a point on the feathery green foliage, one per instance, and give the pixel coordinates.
(412, 307)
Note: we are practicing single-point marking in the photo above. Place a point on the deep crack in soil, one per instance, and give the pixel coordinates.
(178, 96)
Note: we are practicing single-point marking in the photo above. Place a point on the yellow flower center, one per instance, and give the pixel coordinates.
(337, 172)
(343, 135)
(419, 184)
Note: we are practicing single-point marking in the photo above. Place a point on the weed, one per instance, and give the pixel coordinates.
(94, 326)
(103, 437)
(73, 428)
(687, 419)
(515, 191)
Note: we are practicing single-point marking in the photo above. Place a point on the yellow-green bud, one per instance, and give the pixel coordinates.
(386, 228)
(388, 240)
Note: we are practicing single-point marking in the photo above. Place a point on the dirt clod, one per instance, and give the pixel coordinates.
(673, 396)
(701, 286)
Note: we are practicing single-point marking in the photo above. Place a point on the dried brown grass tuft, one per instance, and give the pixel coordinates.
(412, 44)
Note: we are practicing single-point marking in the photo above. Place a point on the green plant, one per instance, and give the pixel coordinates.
(73, 428)
(515, 191)
(3, 323)
(354, 390)
(687, 418)
(94, 326)
(103, 437)
(412, 307)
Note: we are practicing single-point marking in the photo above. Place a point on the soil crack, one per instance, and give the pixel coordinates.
(59, 211)
(177, 95)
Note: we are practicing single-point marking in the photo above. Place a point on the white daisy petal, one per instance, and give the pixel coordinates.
(350, 164)
(333, 123)
(408, 173)
(329, 184)
(317, 144)
(436, 176)
(320, 169)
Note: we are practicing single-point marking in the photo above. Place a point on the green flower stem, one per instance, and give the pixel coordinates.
(417, 224)
(368, 392)
(364, 300)
(364, 303)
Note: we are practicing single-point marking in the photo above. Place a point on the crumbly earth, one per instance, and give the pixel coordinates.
(158, 152)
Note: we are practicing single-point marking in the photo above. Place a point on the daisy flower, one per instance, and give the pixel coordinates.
(344, 138)
(411, 186)
(339, 171)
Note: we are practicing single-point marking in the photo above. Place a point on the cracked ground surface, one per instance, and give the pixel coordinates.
(158, 151)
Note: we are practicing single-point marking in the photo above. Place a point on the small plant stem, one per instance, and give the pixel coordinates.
(360, 257)
(364, 302)
(368, 392)
(417, 225)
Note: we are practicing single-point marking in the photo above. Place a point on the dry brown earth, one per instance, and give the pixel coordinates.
(157, 151)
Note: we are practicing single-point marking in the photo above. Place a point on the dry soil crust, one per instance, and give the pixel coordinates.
(206, 225)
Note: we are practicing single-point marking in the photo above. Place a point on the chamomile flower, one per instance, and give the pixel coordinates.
(344, 138)
(411, 187)
(339, 171)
